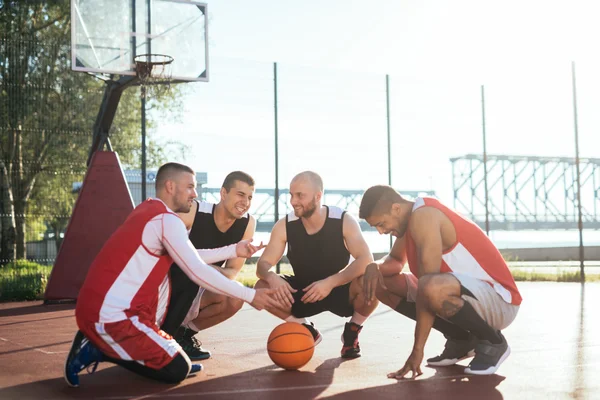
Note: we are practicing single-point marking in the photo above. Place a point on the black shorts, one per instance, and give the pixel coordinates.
(338, 301)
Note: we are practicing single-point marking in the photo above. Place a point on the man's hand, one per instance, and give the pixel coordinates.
(283, 290)
(371, 279)
(245, 248)
(412, 364)
(264, 298)
(316, 291)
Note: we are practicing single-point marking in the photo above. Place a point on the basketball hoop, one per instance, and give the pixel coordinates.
(154, 72)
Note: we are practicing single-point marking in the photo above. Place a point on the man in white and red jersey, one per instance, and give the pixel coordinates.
(459, 282)
(124, 296)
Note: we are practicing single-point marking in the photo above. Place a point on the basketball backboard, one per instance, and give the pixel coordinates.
(107, 35)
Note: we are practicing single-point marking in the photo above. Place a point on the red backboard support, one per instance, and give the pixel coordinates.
(103, 204)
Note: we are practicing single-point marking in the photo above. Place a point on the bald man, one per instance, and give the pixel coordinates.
(320, 242)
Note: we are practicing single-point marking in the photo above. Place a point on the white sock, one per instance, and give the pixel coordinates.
(291, 318)
(358, 319)
(192, 326)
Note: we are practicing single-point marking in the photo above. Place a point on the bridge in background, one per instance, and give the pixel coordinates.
(524, 192)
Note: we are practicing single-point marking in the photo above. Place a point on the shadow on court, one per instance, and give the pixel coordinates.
(557, 321)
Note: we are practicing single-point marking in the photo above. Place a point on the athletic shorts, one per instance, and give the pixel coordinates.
(485, 300)
(132, 340)
(194, 310)
(338, 301)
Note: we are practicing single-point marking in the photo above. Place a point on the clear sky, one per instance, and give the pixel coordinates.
(332, 59)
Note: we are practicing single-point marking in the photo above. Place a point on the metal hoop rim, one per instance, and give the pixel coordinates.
(168, 59)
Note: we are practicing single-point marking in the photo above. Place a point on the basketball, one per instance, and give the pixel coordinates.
(290, 345)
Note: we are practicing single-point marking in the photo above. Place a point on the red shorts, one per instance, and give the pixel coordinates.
(132, 340)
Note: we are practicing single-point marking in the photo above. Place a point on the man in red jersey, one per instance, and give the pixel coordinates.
(124, 294)
(460, 283)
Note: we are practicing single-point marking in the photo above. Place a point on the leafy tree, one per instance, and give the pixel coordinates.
(47, 113)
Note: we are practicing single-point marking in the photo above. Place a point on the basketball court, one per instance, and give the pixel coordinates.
(555, 343)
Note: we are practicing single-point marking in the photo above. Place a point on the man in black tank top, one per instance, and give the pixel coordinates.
(192, 309)
(320, 241)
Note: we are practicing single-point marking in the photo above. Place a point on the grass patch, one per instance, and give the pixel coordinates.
(558, 276)
(23, 280)
(247, 275)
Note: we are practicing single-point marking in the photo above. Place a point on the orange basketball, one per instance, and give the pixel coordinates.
(290, 345)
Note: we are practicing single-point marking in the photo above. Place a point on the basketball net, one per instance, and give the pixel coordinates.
(154, 72)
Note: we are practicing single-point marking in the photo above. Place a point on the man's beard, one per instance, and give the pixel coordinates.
(309, 210)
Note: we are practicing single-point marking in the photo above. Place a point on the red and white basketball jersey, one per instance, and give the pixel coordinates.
(124, 279)
(473, 254)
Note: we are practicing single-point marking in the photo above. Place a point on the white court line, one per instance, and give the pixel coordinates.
(32, 348)
(265, 390)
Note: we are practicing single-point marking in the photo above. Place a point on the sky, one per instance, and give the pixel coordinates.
(332, 60)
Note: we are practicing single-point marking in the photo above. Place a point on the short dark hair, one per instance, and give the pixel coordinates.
(377, 200)
(168, 170)
(237, 176)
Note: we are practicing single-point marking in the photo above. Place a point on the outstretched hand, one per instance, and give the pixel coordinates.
(413, 364)
(246, 249)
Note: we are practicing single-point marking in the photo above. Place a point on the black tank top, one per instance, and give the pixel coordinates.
(206, 235)
(320, 255)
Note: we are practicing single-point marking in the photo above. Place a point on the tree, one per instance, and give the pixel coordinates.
(47, 113)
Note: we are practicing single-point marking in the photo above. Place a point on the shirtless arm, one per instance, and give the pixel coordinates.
(389, 265)
(271, 256)
(425, 228)
(233, 266)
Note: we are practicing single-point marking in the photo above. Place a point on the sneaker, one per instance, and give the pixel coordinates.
(195, 369)
(351, 348)
(488, 357)
(454, 351)
(314, 332)
(82, 354)
(192, 346)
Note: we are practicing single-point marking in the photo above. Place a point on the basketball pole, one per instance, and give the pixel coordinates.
(485, 172)
(143, 104)
(276, 211)
(580, 220)
(389, 139)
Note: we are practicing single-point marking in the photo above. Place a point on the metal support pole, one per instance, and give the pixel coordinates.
(485, 171)
(276, 216)
(389, 140)
(580, 221)
(143, 95)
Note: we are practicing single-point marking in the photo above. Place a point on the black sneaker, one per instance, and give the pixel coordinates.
(488, 357)
(192, 346)
(454, 351)
(314, 332)
(351, 348)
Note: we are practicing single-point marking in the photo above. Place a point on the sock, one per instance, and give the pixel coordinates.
(449, 329)
(192, 326)
(358, 319)
(467, 318)
(291, 318)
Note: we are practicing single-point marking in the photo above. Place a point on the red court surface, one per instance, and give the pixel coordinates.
(555, 343)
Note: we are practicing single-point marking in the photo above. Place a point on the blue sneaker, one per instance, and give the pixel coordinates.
(82, 354)
(195, 369)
